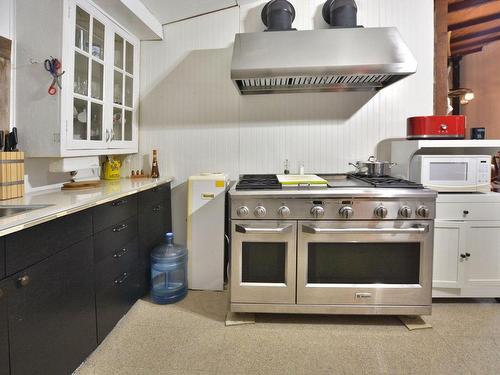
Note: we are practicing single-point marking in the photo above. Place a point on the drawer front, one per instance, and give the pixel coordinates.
(121, 260)
(2, 258)
(114, 237)
(468, 211)
(153, 196)
(108, 214)
(114, 301)
(34, 244)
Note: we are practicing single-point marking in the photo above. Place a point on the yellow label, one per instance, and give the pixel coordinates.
(219, 183)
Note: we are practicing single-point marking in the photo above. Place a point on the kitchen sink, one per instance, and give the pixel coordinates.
(11, 210)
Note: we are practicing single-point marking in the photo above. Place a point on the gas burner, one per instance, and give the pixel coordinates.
(387, 182)
(258, 182)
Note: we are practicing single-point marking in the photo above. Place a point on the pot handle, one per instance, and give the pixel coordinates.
(392, 164)
(372, 158)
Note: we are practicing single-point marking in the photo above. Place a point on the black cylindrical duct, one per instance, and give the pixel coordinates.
(341, 13)
(278, 15)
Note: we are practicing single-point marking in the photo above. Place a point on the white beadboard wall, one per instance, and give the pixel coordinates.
(192, 113)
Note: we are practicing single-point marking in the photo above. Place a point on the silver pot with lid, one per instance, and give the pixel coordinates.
(373, 167)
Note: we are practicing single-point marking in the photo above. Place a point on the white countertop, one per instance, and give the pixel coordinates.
(64, 202)
(490, 197)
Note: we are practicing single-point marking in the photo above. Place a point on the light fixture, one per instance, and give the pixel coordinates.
(465, 95)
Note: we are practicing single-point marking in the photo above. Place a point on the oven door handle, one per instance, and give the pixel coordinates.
(251, 230)
(412, 230)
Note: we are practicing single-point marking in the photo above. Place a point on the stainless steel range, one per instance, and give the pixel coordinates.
(360, 246)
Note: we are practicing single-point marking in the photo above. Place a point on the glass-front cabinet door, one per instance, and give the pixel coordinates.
(87, 126)
(124, 130)
(104, 73)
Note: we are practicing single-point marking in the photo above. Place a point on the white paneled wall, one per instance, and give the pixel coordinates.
(193, 114)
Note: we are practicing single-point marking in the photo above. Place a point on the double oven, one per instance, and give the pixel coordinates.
(354, 263)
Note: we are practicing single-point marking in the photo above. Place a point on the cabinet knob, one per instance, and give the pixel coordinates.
(466, 212)
(23, 280)
(467, 255)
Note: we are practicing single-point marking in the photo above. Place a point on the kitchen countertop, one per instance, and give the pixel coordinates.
(490, 197)
(64, 202)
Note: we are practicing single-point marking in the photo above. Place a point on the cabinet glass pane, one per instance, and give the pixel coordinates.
(98, 40)
(117, 124)
(96, 122)
(97, 79)
(129, 63)
(81, 74)
(80, 119)
(82, 29)
(118, 88)
(129, 90)
(128, 125)
(118, 51)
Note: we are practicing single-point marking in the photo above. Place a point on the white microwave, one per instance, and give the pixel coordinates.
(452, 173)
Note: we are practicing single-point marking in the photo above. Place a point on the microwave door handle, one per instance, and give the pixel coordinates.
(412, 230)
(251, 230)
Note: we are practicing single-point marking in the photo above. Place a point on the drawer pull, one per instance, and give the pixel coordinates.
(157, 208)
(119, 203)
(119, 228)
(23, 280)
(122, 278)
(119, 253)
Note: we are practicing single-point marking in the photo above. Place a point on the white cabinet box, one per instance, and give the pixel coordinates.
(467, 247)
(95, 113)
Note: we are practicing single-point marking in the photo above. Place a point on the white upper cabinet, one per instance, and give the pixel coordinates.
(96, 111)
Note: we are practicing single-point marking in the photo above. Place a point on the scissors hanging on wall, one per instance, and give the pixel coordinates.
(53, 66)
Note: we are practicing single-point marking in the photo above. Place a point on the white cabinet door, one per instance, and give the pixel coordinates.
(482, 264)
(449, 245)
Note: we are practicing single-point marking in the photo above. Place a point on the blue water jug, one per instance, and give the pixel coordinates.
(168, 272)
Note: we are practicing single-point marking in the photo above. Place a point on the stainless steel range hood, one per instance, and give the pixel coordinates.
(350, 59)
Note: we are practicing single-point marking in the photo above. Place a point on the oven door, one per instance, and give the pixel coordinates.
(263, 261)
(364, 263)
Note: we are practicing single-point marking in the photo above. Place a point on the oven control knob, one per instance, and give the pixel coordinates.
(284, 211)
(259, 211)
(380, 212)
(346, 212)
(317, 211)
(242, 211)
(423, 211)
(405, 211)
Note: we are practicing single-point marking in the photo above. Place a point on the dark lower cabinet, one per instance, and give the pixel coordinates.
(114, 300)
(52, 322)
(4, 332)
(155, 218)
(80, 274)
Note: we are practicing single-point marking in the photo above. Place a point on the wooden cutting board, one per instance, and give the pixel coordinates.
(81, 185)
(301, 179)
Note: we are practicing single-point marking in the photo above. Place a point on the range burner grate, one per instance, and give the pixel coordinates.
(387, 182)
(258, 182)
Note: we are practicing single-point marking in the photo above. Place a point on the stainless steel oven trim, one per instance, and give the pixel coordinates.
(365, 231)
(263, 231)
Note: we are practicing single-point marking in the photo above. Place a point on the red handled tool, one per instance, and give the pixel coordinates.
(52, 66)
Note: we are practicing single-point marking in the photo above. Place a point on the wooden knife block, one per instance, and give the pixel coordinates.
(11, 174)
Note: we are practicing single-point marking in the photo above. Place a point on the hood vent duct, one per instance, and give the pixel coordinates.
(341, 13)
(346, 57)
(278, 15)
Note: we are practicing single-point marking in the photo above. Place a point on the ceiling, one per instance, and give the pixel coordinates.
(473, 24)
(167, 11)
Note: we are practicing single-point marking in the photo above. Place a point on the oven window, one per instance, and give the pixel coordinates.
(448, 171)
(263, 262)
(363, 263)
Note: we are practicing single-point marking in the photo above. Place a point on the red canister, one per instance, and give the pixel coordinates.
(436, 127)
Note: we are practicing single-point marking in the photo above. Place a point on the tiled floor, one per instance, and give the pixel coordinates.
(191, 338)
